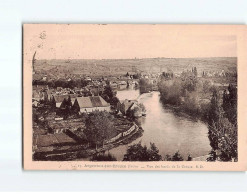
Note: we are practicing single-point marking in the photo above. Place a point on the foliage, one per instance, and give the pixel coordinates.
(223, 137)
(176, 157)
(194, 70)
(215, 110)
(137, 76)
(171, 92)
(222, 126)
(189, 158)
(204, 111)
(109, 92)
(145, 85)
(167, 75)
(109, 95)
(212, 156)
(63, 83)
(206, 86)
(191, 104)
(230, 104)
(189, 81)
(114, 101)
(103, 157)
(66, 107)
(53, 104)
(99, 127)
(137, 152)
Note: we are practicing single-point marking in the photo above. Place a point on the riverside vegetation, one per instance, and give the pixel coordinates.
(200, 99)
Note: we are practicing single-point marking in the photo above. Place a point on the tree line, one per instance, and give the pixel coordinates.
(63, 83)
(220, 113)
(138, 152)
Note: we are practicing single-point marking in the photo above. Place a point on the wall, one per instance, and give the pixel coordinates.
(95, 108)
(123, 134)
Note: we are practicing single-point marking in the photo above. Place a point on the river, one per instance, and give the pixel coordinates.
(167, 130)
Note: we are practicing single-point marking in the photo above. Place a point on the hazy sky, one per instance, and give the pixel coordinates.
(129, 41)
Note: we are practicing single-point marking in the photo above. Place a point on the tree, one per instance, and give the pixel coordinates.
(176, 157)
(108, 91)
(103, 157)
(191, 104)
(66, 107)
(215, 110)
(99, 127)
(223, 138)
(189, 81)
(206, 86)
(170, 92)
(167, 158)
(230, 104)
(212, 156)
(83, 83)
(69, 103)
(195, 71)
(223, 132)
(109, 94)
(189, 158)
(145, 85)
(114, 101)
(137, 152)
(53, 103)
(214, 115)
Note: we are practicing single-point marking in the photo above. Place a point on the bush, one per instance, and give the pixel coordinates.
(191, 104)
(176, 157)
(223, 137)
(137, 152)
(170, 92)
(103, 157)
(99, 127)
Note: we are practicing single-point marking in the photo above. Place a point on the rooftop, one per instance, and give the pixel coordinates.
(90, 102)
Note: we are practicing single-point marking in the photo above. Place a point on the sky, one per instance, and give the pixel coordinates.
(129, 41)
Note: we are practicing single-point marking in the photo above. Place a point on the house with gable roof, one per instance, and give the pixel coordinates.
(90, 104)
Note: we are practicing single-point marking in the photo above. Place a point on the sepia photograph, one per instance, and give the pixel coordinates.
(118, 96)
(131, 93)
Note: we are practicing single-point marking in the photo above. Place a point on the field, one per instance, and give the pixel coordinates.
(60, 68)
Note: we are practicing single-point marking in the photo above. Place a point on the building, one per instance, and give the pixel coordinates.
(125, 105)
(60, 99)
(131, 108)
(90, 104)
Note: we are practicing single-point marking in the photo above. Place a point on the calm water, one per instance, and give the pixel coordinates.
(168, 131)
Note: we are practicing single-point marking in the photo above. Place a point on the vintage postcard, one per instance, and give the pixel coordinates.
(134, 97)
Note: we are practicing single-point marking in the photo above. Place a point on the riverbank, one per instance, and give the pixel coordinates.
(170, 130)
(180, 112)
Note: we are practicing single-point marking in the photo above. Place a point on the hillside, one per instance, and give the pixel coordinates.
(60, 68)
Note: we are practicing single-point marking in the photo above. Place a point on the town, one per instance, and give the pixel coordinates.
(60, 112)
(80, 116)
